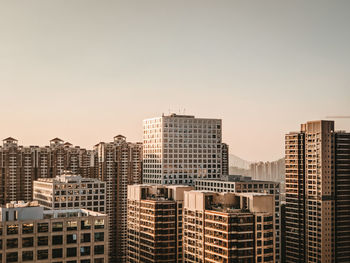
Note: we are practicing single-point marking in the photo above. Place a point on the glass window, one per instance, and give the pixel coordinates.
(27, 256)
(99, 223)
(84, 251)
(99, 260)
(43, 227)
(71, 252)
(85, 261)
(27, 242)
(12, 229)
(99, 236)
(85, 224)
(57, 226)
(71, 238)
(72, 225)
(57, 240)
(99, 249)
(42, 254)
(43, 241)
(85, 237)
(12, 243)
(57, 253)
(12, 257)
(27, 228)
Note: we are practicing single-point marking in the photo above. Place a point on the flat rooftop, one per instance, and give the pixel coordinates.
(70, 213)
(32, 211)
(238, 180)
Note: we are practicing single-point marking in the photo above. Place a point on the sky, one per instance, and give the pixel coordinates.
(85, 71)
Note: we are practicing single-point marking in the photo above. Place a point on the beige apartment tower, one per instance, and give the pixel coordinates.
(119, 164)
(21, 165)
(155, 223)
(228, 227)
(317, 194)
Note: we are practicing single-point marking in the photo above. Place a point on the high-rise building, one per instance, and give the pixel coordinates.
(228, 227)
(155, 223)
(179, 148)
(342, 197)
(119, 165)
(21, 165)
(69, 191)
(317, 194)
(225, 159)
(28, 233)
(241, 184)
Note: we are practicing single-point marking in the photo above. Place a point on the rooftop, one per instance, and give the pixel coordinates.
(70, 213)
(32, 211)
(236, 179)
(68, 177)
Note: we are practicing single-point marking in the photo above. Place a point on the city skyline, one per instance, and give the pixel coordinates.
(89, 146)
(85, 71)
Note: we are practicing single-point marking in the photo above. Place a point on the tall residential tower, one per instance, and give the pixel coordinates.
(317, 194)
(155, 223)
(119, 165)
(21, 165)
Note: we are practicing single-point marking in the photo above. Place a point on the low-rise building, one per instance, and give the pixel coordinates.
(30, 233)
(69, 191)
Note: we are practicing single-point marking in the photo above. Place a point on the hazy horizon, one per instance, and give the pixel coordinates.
(85, 71)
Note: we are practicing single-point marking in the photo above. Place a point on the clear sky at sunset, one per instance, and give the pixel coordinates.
(86, 71)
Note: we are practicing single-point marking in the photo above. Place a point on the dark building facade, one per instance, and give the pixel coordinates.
(225, 165)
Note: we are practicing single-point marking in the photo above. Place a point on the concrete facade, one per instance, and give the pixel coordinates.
(240, 184)
(228, 227)
(21, 165)
(155, 225)
(317, 194)
(180, 148)
(119, 164)
(30, 233)
(69, 191)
